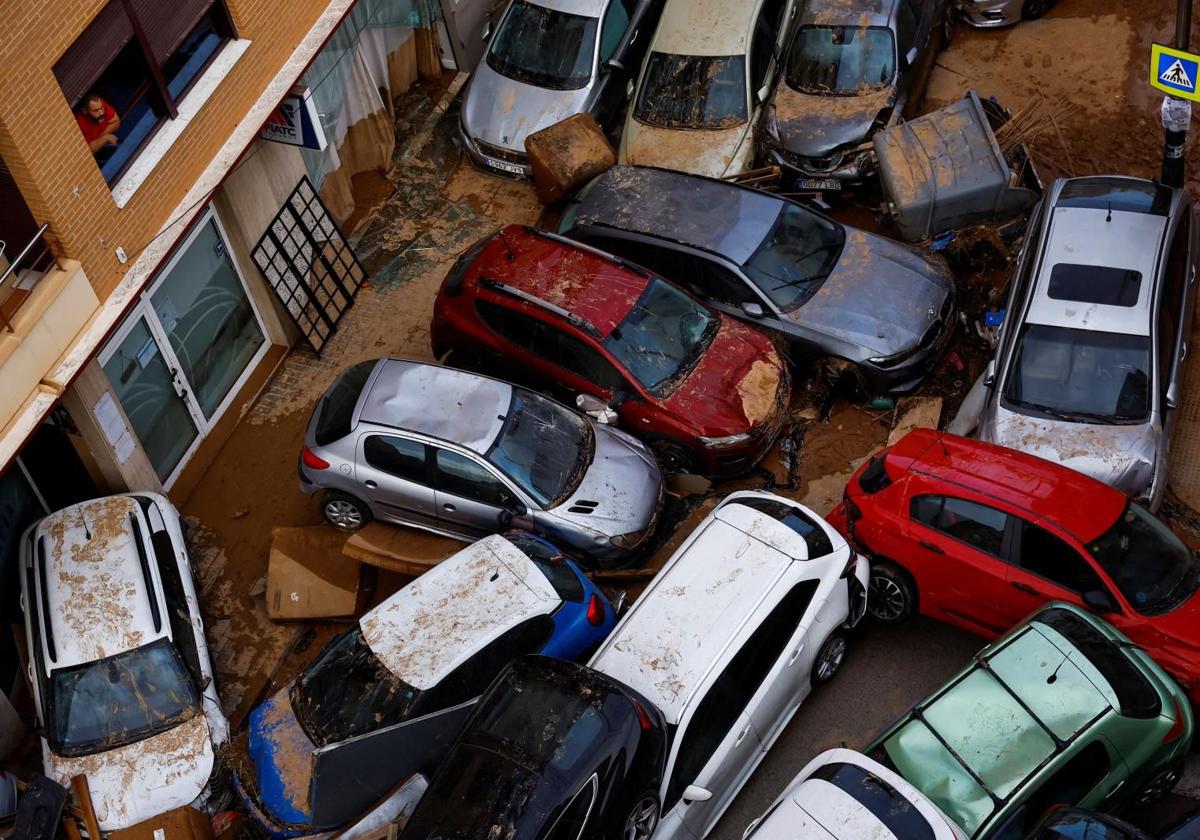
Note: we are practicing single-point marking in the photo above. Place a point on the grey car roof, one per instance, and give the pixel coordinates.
(440, 402)
(587, 8)
(696, 211)
(1082, 236)
(848, 12)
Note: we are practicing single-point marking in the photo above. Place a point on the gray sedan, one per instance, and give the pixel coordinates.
(1090, 360)
(465, 455)
(549, 60)
(827, 289)
(988, 14)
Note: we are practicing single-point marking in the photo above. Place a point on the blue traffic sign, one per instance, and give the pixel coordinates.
(1174, 71)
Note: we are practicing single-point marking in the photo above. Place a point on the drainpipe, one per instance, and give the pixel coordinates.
(1177, 113)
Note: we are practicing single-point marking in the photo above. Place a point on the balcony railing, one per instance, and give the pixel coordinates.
(22, 271)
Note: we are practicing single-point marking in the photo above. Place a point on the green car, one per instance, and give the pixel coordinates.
(1063, 710)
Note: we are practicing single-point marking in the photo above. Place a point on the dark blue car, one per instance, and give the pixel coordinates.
(386, 698)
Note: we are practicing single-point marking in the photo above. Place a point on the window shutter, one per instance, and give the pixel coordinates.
(166, 24)
(93, 51)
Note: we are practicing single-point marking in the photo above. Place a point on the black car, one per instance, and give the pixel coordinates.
(553, 751)
(829, 290)
(1082, 824)
(853, 67)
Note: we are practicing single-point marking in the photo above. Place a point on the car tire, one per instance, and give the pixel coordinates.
(1158, 785)
(642, 819)
(343, 511)
(829, 659)
(672, 455)
(1034, 9)
(891, 594)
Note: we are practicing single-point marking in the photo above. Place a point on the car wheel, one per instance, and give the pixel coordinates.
(891, 596)
(642, 819)
(829, 658)
(344, 512)
(1034, 9)
(1158, 785)
(672, 455)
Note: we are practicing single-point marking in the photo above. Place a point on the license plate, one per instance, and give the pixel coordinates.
(818, 184)
(511, 168)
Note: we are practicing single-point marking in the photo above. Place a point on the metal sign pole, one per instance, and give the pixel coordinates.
(1177, 113)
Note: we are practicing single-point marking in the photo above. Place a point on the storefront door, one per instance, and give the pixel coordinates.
(185, 349)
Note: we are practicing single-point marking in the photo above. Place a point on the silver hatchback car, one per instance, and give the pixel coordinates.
(466, 455)
(1089, 366)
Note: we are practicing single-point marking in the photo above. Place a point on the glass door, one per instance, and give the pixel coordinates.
(152, 395)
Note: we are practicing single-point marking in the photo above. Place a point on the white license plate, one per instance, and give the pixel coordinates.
(511, 168)
(818, 184)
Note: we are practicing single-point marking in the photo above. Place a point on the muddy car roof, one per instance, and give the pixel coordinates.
(444, 403)
(705, 27)
(586, 8)
(701, 212)
(848, 12)
(97, 593)
(454, 610)
(682, 625)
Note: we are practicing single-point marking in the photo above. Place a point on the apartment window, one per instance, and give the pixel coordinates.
(139, 57)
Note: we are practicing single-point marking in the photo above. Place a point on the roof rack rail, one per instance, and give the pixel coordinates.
(151, 595)
(580, 322)
(591, 249)
(47, 624)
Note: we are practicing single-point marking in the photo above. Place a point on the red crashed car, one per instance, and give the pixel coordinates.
(704, 391)
(980, 536)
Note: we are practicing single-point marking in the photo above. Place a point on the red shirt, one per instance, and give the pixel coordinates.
(91, 128)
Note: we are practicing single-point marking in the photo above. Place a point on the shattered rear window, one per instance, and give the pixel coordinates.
(116, 701)
(693, 91)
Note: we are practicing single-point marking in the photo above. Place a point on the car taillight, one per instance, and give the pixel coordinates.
(595, 611)
(853, 511)
(312, 461)
(642, 716)
(1177, 727)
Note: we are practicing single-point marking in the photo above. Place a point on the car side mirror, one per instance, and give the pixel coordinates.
(615, 65)
(1172, 397)
(1098, 600)
(205, 682)
(487, 30)
(629, 89)
(763, 93)
(694, 793)
(989, 374)
(910, 57)
(753, 310)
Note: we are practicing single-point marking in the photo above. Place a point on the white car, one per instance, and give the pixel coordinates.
(121, 677)
(710, 68)
(843, 795)
(729, 638)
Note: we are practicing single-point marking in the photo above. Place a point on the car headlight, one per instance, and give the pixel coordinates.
(892, 361)
(630, 540)
(724, 442)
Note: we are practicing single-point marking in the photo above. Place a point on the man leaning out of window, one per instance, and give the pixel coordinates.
(99, 123)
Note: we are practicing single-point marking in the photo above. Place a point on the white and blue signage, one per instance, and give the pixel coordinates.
(296, 122)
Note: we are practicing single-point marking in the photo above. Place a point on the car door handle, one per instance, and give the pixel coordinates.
(448, 506)
(370, 484)
(795, 654)
(742, 736)
(1183, 352)
(931, 547)
(1024, 587)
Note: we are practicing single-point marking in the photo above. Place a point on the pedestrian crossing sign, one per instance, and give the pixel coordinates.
(1174, 71)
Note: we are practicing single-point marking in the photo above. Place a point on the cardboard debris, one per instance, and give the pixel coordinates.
(309, 577)
(566, 155)
(916, 413)
(184, 823)
(404, 550)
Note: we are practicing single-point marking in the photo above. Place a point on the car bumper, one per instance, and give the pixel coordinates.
(735, 460)
(273, 829)
(857, 582)
(508, 169)
(851, 170)
(307, 486)
(990, 14)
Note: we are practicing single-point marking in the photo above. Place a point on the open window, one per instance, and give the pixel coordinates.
(139, 57)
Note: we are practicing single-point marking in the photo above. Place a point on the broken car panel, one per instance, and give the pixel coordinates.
(431, 647)
(828, 289)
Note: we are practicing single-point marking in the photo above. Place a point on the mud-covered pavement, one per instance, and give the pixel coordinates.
(1086, 59)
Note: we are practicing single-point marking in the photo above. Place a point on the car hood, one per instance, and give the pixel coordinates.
(735, 386)
(144, 779)
(814, 126)
(1121, 456)
(282, 756)
(503, 111)
(882, 295)
(714, 153)
(619, 492)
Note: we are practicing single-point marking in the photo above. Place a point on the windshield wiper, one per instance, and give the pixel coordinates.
(1063, 414)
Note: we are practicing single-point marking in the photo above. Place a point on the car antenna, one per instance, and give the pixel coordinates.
(1108, 218)
(86, 530)
(942, 443)
(507, 247)
(1053, 678)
